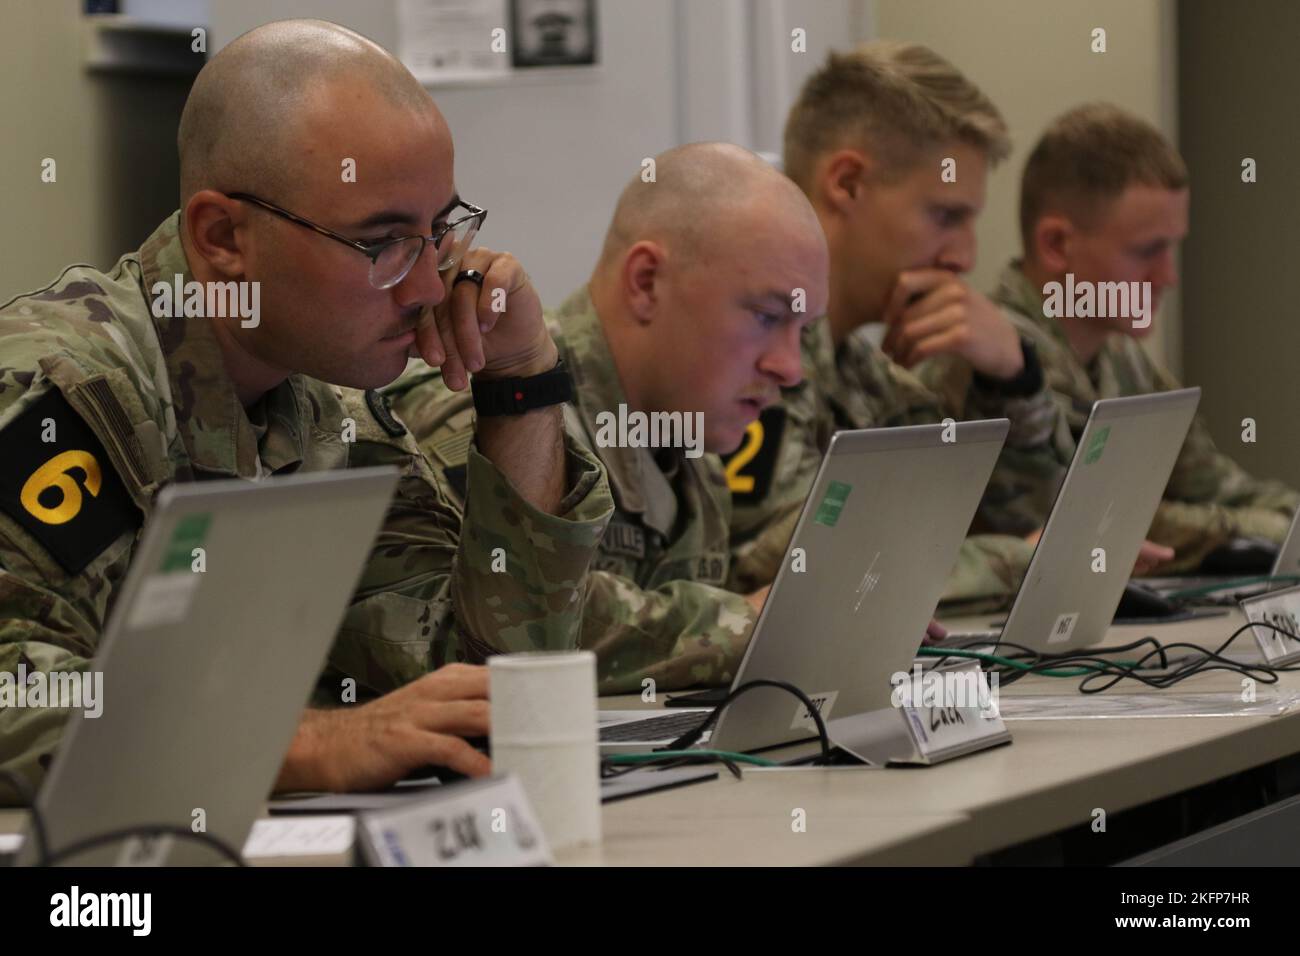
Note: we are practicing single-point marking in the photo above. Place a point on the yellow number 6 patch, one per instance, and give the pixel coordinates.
(54, 474)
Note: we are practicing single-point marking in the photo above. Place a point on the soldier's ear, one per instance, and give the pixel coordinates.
(1053, 237)
(641, 278)
(210, 219)
(842, 177)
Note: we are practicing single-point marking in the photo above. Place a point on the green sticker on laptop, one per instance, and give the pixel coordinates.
(828, 512)
(189, 533)
(1096, 445)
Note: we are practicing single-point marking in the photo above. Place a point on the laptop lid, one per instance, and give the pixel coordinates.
(206, 672)
(1101, 516)
(1288, 556)
(873, 548)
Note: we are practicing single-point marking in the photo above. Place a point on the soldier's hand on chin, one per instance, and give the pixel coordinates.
(934, 311)
(468, 336)
(374, 745)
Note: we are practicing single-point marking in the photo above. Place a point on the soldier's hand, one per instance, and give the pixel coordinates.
(934, 633)
(376, 744)
(1150, 557)
(495, 332)
(758, 598)
(933, 312)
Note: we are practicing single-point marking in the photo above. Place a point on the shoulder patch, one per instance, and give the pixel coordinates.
(378, 405)
(450, 446)
(58, 483)
(750, 467)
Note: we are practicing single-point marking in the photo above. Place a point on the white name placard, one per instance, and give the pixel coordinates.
(957, 715)
(480, 823)
(1282, 610)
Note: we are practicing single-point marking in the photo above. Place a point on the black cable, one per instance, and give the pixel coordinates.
(80, 846)
(691, 736)
(1109, 673)
(1041, 660)
(610, 771)
(44, 857)
(1262, 673)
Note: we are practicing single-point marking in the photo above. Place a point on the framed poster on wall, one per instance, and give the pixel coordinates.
(553, 32)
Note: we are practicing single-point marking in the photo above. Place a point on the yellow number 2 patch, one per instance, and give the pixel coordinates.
(738, 483)
(750, 467)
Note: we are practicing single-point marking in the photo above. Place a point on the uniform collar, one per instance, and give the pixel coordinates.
(1017, 292)
(639, 483)
(218, 436)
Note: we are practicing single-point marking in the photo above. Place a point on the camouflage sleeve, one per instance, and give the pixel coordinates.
(680, 635)
(50, 618)
(41, 631)
(900, 396)
(987, 575)
(1210, 499)
(1034, 459)
(521, 573)
(442, 587)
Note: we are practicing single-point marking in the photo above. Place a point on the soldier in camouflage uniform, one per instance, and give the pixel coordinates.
(857, 386)
(891, 145)
(657, 604)
(1128, 190)
(97, 367)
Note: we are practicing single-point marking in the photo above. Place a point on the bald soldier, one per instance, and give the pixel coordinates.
(1103, 200)
(154, 393)
(691, 319)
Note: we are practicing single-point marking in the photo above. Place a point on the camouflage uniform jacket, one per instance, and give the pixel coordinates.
(857, 386)
(656, 605)
(143, 401)
(1210, 498)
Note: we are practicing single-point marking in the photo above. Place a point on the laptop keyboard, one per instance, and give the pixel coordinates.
(666, 727)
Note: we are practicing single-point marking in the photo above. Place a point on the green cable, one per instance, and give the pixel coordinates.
(1233, 585)
(719, 754)
(1079, 671)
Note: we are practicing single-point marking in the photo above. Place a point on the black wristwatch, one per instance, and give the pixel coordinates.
(514, 396)
(1027, 383)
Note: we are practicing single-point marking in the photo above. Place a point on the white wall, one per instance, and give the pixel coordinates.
(547, 154)
(1033, 59)
(112, 137)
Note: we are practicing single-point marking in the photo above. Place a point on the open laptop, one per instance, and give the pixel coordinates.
(867, 563)
(205, 674)
(1232, 587)
(1288, 556)
(1110, 494)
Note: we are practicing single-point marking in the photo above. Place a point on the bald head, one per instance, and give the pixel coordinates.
(702, 194)
(708, 276)
(243, 121)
